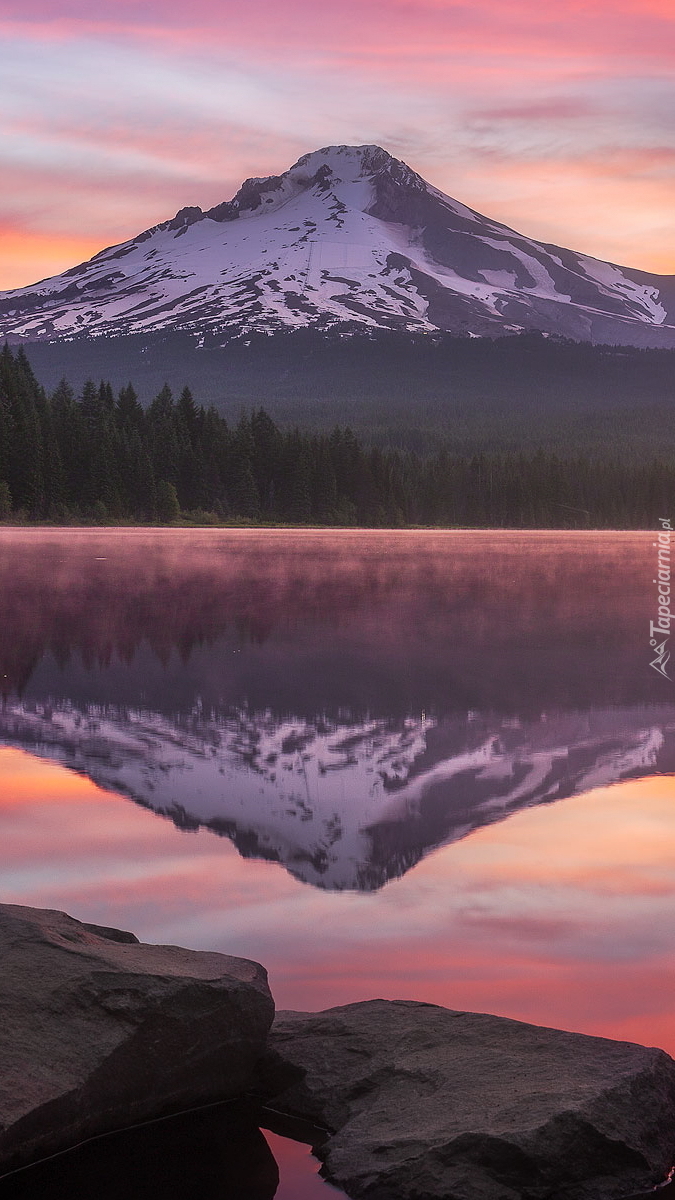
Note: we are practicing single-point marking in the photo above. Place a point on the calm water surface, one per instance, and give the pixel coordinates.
(414, 765)
(213, 1153)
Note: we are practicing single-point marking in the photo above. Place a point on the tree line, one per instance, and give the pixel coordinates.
(100, 457)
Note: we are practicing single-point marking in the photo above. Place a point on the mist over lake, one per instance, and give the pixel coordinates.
(433, 766)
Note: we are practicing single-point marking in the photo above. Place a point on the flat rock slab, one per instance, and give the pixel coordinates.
(98, 1031)
(423, 1103)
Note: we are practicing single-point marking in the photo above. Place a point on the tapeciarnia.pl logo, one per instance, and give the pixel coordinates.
(662, 626)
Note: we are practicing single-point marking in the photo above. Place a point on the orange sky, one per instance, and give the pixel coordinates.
(561, 915)
(556, 120)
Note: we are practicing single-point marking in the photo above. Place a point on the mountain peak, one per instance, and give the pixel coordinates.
(354, 164)
(328, 169)
(345, 162)
(348, 237)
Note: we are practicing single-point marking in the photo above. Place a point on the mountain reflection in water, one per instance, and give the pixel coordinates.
(343, 806)
(340, 702)
(343, 709)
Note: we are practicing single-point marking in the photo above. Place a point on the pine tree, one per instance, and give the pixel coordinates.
(5, 500)
(21, 396)
(266, 458)
(168, 508)
(164, 448)
(130, 415)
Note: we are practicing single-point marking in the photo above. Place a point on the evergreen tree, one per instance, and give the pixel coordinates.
(5, 500)
(21, 396)
(168, 508)
(130, 415)
(164, 448)
(266, 459)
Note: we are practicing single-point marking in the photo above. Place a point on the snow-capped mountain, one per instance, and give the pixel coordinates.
(348, 238)
(343, 805)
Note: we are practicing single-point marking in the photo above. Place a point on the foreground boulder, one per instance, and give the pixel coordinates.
(422, 1103)
(98, 1031)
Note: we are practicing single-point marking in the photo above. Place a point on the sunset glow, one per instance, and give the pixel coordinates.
(556, 121)
(559, 915)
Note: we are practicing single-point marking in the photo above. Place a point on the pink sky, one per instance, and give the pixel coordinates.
(560, 915)
(554, 119)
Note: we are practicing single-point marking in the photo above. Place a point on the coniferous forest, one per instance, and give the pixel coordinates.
(101, 458)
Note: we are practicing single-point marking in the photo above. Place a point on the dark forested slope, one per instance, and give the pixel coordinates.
(97, 455)
(476, 394)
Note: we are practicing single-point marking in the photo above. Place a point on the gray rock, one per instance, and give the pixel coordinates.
(98, 1031)
(423, 1103)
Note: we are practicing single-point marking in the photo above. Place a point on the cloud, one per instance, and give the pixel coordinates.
(137, 109)
(555, 108)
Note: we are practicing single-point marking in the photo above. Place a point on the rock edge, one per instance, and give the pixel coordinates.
(425, 1103)
(99, 1031)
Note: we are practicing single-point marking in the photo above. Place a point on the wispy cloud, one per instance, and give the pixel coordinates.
(116, 116)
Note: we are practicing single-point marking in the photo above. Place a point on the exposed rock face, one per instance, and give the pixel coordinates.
(424, 1103)
(98, 1031)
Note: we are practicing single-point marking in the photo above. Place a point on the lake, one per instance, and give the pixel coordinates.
(425, 765)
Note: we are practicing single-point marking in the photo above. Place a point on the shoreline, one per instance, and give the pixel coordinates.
(313, 528)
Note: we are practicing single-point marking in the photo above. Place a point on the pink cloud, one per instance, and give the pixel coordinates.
(459, 90)
(553, 109)
(489, 29)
